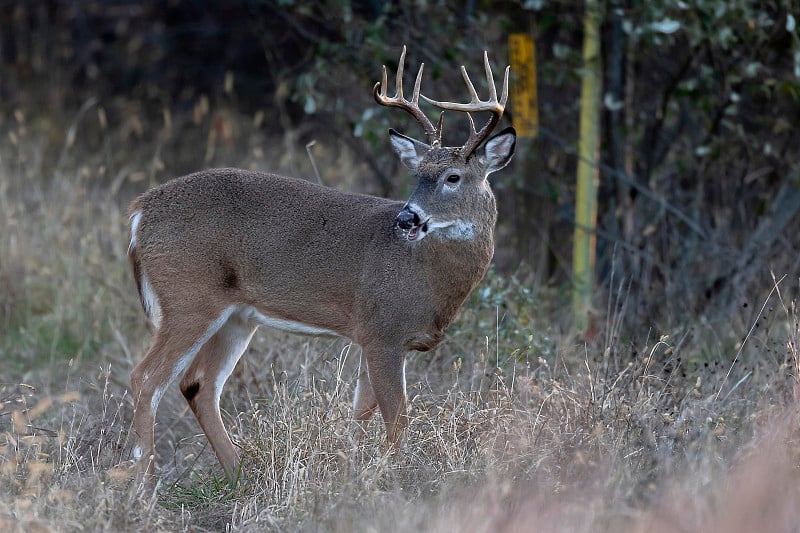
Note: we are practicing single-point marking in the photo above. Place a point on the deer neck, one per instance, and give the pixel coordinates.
(460, 255)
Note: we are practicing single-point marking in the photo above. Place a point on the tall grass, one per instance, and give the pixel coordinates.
(558, 446)
(515, 424)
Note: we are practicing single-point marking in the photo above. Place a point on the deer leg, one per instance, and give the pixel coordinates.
(364, 402)
(175, 345)
(388, 379)
(203, 382)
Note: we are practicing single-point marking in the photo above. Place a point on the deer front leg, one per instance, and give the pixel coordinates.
(364, 403)
(387, 377)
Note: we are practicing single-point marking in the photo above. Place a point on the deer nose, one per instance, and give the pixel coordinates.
(407, 219)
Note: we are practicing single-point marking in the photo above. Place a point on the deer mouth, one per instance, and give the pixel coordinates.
(416, 232)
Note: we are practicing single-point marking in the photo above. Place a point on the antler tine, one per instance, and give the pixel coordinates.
(476, 104)
(382, 84)
(417, 85)
(412, 106)
(473, 94)
(439, 126)
(489, 76)
(504, 95)
(398, 79)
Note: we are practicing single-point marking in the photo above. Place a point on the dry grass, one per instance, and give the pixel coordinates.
(515, 426)
(557, 450)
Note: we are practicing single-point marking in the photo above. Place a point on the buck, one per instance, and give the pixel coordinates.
(218, 253)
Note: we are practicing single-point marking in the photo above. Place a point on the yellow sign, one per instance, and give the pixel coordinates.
(524, 102)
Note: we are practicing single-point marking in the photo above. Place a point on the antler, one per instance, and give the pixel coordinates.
(434, 133)
(476, 104)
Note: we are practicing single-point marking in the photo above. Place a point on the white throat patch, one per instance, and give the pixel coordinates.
(453, 230)
(446, 230)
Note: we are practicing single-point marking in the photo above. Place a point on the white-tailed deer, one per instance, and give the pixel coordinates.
(217, 253)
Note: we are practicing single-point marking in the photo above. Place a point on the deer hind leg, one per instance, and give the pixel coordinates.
(203, 381)
(387, 377)
(175, 345)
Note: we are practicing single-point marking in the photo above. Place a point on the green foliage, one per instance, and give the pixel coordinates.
(509, 317)
(42, 342)
(205, 490)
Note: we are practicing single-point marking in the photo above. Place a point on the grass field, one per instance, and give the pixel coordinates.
(516, 424)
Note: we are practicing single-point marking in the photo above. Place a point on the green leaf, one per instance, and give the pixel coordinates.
(666, 26)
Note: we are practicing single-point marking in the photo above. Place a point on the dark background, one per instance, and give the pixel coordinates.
(698, 180)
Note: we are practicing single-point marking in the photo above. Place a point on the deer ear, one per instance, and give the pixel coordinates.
(410, 151)
(498, 150)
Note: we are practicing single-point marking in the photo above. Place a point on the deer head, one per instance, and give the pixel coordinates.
(452, 189)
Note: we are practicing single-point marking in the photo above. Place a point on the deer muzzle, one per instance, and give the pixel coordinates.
(411, 225)
(407, 219)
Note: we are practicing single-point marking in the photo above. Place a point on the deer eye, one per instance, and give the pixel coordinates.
(453, 178)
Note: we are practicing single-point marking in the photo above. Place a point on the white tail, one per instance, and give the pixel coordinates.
(217, 253)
